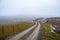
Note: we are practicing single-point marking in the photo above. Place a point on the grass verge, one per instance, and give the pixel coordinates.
(47, 34)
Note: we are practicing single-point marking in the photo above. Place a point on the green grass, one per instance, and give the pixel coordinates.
(47, 34)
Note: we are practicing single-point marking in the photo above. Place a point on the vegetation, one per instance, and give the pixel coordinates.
(13, 28)
(47, 34)
(55, 22)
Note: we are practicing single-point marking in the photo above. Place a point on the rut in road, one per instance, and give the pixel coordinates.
(34, 34)
(26, 35)
(40, 34)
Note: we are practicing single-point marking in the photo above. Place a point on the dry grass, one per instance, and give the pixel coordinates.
(12, 28)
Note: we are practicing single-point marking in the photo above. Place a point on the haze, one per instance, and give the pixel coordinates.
(30, 8)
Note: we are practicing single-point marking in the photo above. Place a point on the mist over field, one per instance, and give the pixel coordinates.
(28, 9)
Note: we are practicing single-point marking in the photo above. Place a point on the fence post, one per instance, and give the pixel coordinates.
(3, 29)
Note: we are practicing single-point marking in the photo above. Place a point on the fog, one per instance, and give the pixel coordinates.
(30, 8)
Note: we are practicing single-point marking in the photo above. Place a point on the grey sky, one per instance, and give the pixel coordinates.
(30, 8)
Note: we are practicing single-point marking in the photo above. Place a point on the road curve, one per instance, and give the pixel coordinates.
(34, 34)
(18, 36)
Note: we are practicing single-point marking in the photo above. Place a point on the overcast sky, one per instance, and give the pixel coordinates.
(30, 8)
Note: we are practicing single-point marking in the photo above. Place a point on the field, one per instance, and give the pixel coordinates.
(9, 29)
(47, 34)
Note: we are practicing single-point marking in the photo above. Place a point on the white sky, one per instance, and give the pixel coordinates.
(30, 8)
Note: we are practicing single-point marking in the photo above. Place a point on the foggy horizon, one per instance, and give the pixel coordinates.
(30, 8)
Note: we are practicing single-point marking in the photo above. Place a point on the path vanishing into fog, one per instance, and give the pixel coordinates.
(29, 34)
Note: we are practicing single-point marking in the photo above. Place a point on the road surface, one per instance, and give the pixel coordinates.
(28, 34)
